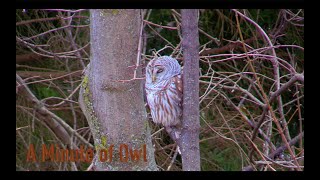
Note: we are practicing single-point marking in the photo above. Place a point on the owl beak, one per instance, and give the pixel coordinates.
(153, 78)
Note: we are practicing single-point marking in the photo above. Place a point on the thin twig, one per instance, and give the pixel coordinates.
(165, 27)
(276, 74)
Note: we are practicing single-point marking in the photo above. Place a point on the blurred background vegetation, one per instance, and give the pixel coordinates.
(52, 49)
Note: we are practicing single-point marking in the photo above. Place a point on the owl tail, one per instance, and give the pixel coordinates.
(174, 132)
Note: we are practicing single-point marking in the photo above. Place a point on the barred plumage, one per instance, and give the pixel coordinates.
(164, 90)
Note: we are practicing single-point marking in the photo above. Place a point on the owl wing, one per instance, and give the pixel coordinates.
(178, 82)
(179, 86)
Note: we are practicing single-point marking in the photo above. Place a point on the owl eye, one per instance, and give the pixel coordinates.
(159, 71)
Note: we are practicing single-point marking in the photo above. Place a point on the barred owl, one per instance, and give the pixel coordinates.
(164, 92)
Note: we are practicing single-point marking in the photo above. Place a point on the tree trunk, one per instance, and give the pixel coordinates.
(115, 110)
(190, 125)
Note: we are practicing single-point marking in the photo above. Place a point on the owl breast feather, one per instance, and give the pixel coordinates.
(165, 104)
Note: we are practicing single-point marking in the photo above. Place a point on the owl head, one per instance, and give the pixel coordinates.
(162, 68)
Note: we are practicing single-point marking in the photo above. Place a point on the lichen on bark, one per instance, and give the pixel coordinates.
(115, 110)
(85, 101)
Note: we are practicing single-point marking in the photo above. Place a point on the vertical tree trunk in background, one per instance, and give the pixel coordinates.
(115, 110)
(190, 125)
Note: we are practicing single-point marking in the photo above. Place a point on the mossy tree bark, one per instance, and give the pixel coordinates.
(115, 110)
